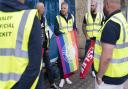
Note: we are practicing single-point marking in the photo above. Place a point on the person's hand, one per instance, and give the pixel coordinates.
(99, 80)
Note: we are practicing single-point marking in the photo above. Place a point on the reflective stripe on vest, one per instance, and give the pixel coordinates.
(114, 60)
(91, 24)
(16, 52)
(9, 76)
(65, 27)
(118, 46)
(118, 67)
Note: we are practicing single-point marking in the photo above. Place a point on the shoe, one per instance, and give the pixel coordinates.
(68, 81)
(54, 86)
(93, 74)
(62, 82)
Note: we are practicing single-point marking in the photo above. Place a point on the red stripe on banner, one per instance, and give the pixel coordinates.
(85, 67)
(74, 35)
(68, 75)
(42, 52)
(72, 42)
(76, 41)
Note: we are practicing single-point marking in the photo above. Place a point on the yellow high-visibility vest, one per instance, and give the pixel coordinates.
(118, 66)
(15, 29)
(63, 25)
(92, 27)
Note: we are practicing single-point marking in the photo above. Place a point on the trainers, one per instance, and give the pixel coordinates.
(62, 82)
(68, 81)
(93, 74)
(54, 86)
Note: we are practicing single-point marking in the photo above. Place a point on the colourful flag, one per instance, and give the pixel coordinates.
(85, 67)
(68, 50)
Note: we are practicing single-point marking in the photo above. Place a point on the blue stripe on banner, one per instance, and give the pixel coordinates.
(62, 41)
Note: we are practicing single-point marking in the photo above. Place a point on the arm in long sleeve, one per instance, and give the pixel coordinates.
(34, 51)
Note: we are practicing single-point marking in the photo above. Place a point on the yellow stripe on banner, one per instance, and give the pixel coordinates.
(74, 60)
(71, 48)
(74, 45)
(67, 43)
(70, 44)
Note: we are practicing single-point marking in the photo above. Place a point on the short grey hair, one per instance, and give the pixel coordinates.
(39, 4)
(114, 1)
(64, 3)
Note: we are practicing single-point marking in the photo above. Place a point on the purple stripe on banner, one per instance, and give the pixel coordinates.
(65, 64)
(60, 49)
(68, 65)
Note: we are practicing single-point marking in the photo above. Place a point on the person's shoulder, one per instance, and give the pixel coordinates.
(70, 15)
(87, 12)
(112, 23)
(58, 15)
(113, 29)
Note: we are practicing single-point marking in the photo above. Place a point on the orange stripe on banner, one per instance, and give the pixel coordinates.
(74, 42)
(73, 39)
(70, 42)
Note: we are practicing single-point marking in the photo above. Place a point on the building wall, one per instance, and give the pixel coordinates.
(81, 7)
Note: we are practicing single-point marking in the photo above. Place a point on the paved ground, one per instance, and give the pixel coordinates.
(83, 84)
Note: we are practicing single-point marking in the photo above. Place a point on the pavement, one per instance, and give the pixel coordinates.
(79, 83)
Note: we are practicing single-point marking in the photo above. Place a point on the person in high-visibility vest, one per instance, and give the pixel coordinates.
(20, 46)
(45, 45)
(91, 25)
(111, 48)
(64, 22)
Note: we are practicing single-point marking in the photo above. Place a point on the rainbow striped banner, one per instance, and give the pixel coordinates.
(68, 50)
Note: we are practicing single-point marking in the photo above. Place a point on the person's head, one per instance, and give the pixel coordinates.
(64, 8)
(93, 6)
(40, 8)
(111, 6)
(22, 1)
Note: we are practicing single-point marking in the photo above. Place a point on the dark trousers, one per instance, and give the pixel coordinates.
(60, 68)
(41, 81)
(48, 67)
